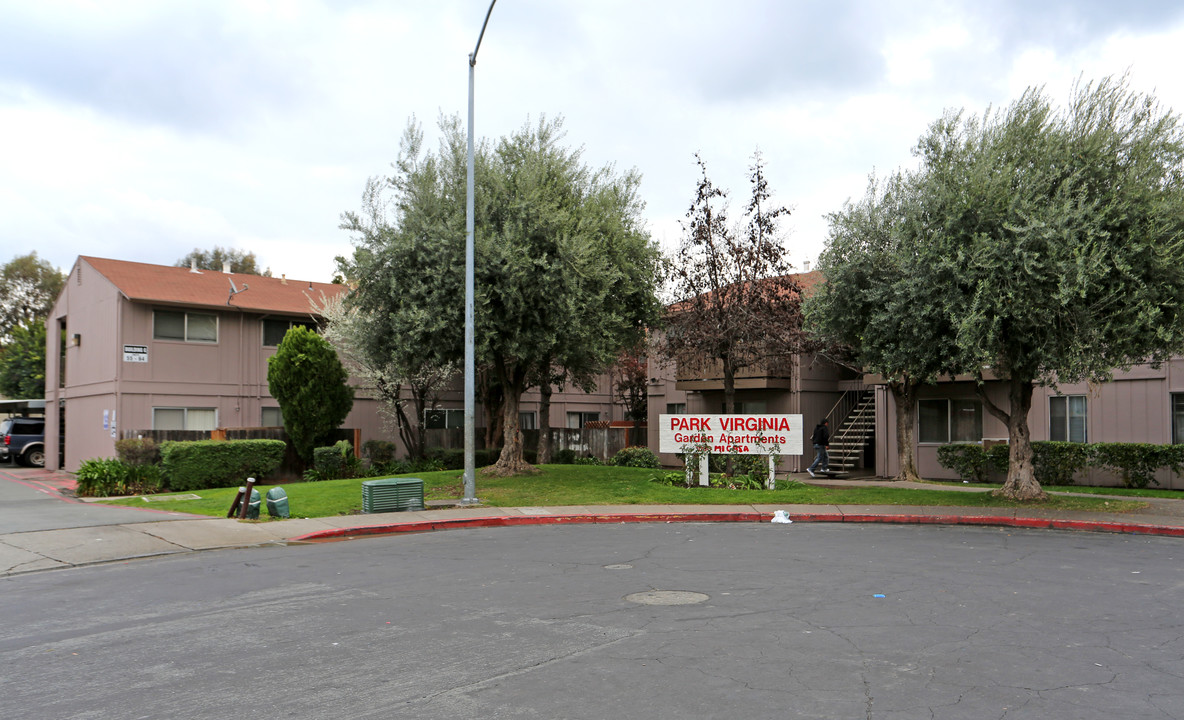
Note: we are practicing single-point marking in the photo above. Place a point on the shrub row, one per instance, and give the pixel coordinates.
(143, 466)
(217, 463)
(105, 477)
(1055, 463)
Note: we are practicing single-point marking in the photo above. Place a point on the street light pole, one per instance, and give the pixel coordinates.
(470, 497)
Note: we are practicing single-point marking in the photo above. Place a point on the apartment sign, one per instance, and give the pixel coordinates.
(135, 353)
(725, 434)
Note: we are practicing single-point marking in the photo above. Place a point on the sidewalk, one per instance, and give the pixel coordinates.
(159, 534)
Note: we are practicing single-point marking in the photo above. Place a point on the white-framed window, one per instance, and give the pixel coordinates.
(272, 417)
(440, 418)
(676, 408)
(941, 421)
(528, 420)
(1067, 415)
(274, 329)
(180, 418)
(580, 419)
(1176, 403)
(184, 326)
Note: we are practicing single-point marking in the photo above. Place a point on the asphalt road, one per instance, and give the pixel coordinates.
(783, 621)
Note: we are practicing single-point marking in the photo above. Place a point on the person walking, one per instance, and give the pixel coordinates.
(821, 441)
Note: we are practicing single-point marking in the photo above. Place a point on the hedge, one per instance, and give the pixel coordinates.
(200, 464)
(1055, 463)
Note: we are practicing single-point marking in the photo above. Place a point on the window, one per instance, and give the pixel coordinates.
(272, 417)
(184, 418)
(526, 420)
(580, 419)
(945, 421)
(274, 329)
(1066, 418)
(676, 408)
(443, 418)
(184, 326)
(1177, 410)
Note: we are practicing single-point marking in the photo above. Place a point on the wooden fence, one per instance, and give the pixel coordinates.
(601, 443)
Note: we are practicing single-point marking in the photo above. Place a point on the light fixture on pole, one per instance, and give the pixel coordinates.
(470, 497)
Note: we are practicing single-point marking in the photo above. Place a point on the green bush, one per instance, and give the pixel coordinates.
(1055, 463)
(968, 460)
(999, 458)
(639, 457)
(200, 464)
(138, 451)
(334, 462)
(104, 477)
(674, 479)
(380, 452)
(566, 456)
(1136, 463)
(587, 460)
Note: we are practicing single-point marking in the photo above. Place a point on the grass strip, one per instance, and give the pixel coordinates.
(594, 485)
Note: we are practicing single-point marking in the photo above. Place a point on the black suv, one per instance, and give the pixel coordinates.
(23, 439)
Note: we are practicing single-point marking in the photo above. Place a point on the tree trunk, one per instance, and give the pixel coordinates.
(729, 406)
(1021, 478)
(905, 393)
(511, 462)
(544, 448)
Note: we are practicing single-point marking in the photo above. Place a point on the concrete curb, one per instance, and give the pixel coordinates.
(1038, 523)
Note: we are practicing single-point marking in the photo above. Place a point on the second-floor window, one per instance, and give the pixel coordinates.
(1066, 418)
(184, 326)
(274, 329)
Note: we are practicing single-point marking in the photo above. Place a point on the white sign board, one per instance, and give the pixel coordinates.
(724, 434)
(135, 353)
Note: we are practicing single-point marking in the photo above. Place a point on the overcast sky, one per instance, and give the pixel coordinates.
(141, 130)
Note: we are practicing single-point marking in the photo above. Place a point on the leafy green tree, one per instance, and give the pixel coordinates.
(22, 362)
(29, 286)
(241, 261)
(565, 273)
(405, 388)
(879, 310)
(309, 381)
(1058, 239)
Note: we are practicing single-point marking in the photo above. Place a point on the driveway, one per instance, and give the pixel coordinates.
(30, 500)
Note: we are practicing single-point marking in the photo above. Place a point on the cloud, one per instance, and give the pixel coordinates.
(192, 66)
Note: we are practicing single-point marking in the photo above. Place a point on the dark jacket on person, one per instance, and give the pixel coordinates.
(821, 435)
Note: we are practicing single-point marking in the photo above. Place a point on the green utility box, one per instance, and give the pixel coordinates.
(392, 495)
(277, 503)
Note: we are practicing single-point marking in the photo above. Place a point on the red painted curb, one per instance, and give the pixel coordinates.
(902, 519)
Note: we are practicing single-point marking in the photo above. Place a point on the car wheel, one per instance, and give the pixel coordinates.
(34, 457)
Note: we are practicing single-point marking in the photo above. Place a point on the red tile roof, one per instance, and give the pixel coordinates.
(141, 282)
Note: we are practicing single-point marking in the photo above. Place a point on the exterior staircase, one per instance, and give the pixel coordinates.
(852, 434)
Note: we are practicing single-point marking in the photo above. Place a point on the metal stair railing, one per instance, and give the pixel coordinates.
(851, 435)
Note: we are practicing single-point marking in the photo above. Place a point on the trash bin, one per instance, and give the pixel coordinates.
(277, 503)
(253, 506)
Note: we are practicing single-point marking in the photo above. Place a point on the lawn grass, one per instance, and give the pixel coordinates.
(605, 485)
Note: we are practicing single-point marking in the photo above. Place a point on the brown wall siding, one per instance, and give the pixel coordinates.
(1134, 407)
